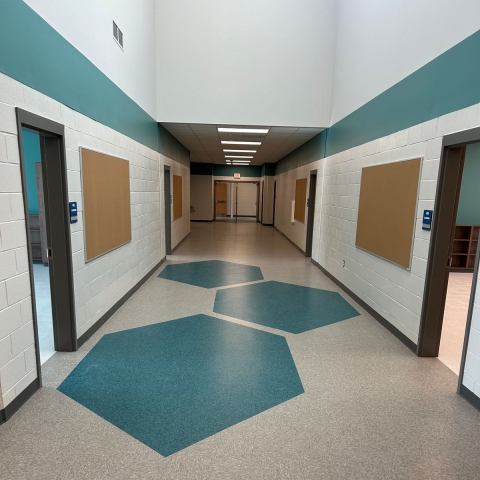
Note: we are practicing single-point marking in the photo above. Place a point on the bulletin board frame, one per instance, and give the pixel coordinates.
(388, 204)
(300, 199)
(106, 202)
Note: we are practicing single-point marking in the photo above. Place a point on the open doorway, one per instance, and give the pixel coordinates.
(234, 200)
(38, 240)
(463, 254)
(453, 258)
(47, 217)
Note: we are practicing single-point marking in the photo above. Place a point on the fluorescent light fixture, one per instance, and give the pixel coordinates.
(238, 163)
(232, 142)
(238, 156)
(239, 151)
(242, 130)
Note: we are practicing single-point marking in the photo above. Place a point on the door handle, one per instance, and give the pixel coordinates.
(449, 261)
(49, 253)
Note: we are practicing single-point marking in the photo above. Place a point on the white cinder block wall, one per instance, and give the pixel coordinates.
(394, 292)
(100, 283)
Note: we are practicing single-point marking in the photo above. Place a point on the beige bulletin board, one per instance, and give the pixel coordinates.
(106, 202)
(300, 199)
(177, 197)
(387, 207)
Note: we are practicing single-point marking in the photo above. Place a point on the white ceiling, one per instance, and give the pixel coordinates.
(203, 141)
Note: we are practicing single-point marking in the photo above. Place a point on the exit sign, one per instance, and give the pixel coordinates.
(236, 175)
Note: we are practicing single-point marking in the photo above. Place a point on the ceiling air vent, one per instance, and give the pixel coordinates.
(117, 35)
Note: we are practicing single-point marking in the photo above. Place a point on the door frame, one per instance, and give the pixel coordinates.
(236, 183)
(312, 192)
(52, 144)
(274, 201)
(436, 281)
(167, 200)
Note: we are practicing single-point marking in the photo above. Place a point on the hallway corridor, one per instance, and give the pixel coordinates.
(362, 407)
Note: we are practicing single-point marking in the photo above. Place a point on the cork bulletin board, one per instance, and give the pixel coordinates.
(106, 202)
(177, 197)
(300, 199)
(387, 210)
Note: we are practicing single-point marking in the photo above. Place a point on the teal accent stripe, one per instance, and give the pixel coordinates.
(35, 54)
(201, 169)
(243, 170)
(448, 83)
(169, 146)
(268, 169)
(309, 152)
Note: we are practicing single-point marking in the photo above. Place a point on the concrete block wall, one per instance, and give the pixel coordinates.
(100, 283)
(394, 292)
(17, 351)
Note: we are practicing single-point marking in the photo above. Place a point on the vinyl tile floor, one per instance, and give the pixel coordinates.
(455, 320)
(371, 408)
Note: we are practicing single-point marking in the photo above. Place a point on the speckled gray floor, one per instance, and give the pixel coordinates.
(371, 409)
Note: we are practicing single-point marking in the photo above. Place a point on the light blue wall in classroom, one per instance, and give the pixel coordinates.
(31, 152)
(35, 54)
(469, 207)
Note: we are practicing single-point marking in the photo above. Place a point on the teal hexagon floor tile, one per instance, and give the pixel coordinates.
(284, 306)
(211, 273)
(175, 383)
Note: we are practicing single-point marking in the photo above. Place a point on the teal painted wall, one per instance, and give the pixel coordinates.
(268, 169)
(35, 54)
(31, 151)
(469, 205)
(243, 170)
(201, 169)
(448, 83)
(307, 153)
(169, 146)
(225, 170)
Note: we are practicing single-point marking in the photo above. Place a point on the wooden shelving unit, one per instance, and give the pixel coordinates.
(465, 246)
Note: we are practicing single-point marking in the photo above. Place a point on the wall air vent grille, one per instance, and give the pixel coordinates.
(117, 35)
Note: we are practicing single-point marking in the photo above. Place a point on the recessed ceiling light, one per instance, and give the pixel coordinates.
(239, 163)
(238, 156)
(242, 130)
(232, 142)
(239, 151)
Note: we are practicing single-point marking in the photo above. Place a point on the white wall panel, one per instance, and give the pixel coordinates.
(378, 43)
(264, 62)
(87, 25)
